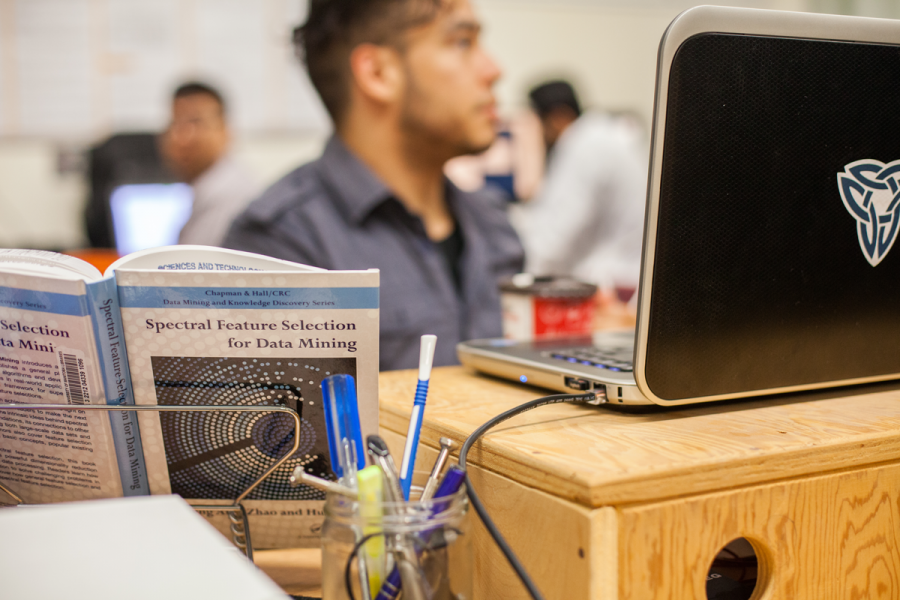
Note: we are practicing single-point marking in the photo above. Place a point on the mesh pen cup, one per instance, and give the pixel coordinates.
(425, 546)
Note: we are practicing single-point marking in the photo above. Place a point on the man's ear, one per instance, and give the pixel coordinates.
(377, 72)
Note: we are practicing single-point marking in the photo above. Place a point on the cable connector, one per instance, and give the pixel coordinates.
(599, 397)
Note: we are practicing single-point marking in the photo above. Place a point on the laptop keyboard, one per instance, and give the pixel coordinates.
(596, 357)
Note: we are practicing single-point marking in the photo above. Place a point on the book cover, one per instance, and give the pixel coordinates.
(61, 343)
(210, 326)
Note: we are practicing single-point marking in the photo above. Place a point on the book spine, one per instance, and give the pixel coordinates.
(109, 333)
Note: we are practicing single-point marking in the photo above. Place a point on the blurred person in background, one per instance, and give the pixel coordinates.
(514, 163)
(195, 146)
(587, 218)
(408, 87)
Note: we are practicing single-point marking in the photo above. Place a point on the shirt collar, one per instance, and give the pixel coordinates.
(356, 188)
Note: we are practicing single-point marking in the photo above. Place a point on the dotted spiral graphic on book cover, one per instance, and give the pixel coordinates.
(217, 454)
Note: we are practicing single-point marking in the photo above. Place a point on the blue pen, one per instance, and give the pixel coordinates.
(342, 423)
(426, 359)
(345, 444)
(450, 485)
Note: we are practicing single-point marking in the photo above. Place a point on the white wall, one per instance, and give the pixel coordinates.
(38, 207)
(607, 47)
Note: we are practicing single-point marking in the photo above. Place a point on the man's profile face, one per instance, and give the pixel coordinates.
(449, 79)
(196, 137)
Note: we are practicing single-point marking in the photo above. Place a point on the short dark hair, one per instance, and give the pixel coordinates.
(193, 88)
(334, 27)
(548, 96)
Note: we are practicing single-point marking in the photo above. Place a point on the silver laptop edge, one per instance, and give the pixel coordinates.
(715, 19)
(555, 374)
(622, 388)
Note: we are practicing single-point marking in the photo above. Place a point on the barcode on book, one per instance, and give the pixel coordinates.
(74, 378)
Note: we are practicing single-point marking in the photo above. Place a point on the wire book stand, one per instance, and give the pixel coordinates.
(237, 515)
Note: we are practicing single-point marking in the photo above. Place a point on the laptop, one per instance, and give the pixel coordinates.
(149, 215)
(773, 206)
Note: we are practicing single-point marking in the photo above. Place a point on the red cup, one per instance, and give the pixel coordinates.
(546, 307)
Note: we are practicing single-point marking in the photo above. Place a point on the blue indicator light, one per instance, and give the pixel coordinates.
(523, 379)
(572, 360)
(587, 363)
(615, 369)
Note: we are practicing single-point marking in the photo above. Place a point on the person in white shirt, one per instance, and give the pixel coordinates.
(195, 146)
(587, 218)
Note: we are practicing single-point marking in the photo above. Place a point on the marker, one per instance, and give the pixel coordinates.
(426, 359)
(371, 497)
(405, 573)
(381, 456)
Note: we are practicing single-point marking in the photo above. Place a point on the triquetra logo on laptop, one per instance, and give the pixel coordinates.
(871, 193)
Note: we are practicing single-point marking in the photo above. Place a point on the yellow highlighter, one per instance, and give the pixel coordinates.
(371, 497)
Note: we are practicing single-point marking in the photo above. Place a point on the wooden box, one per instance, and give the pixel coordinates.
(603, 504)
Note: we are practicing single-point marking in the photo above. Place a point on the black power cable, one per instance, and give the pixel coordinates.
(588, 398)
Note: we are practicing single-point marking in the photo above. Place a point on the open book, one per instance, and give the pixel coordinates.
(201, 326)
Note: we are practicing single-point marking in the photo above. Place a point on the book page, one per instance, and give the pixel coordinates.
(203, 258)
(41, 262)
(48, 356)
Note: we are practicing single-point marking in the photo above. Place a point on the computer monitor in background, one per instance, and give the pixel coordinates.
(121, 159)
(147, 215)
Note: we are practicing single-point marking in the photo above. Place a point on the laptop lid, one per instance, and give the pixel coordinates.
(772, 206)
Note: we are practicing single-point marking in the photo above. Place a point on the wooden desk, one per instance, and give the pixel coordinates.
(609, 505)
(297, 570)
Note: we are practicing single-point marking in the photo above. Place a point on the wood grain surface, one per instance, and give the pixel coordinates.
(555, 539)
(597, 456)
(297, 570)
(826, 537)
(833, 537)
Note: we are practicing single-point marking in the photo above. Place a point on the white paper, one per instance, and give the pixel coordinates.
(144, 548)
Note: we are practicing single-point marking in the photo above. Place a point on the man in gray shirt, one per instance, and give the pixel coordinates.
(408, 87)
(196, 147)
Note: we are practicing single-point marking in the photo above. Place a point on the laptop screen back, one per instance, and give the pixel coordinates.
(765, 276)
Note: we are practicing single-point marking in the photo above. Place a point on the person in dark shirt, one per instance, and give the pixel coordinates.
(408, 87)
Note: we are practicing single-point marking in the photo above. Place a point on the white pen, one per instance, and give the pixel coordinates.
(426, 359)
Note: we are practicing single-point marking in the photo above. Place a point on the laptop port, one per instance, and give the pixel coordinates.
(576, 383)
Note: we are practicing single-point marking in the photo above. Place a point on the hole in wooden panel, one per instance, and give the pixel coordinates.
(734, 572)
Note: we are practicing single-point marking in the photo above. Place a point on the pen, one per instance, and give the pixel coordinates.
(449, 486)
(342, 425)
(405, 573)
(345, 446)
(432, 483)
(426, 359)
(300, 476)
